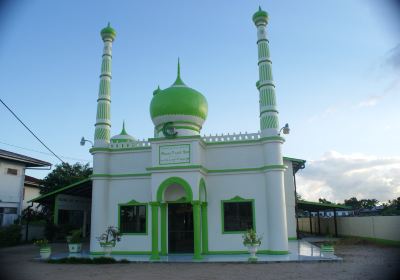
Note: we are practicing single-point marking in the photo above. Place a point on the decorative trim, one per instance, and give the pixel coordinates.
(120, 175)
(110, 150)
(133, 203)
(174, 180)
(236, 199)
(262, 168)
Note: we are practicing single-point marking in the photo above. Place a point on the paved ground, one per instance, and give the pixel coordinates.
(362, 261)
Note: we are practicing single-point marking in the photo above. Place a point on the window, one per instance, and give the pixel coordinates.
(12, 171)
(238, 216)
(10, 210)
(133, 219)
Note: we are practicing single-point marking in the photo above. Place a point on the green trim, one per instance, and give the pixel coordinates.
(99, 253)
(202, 185)
(262, 168)
(174, 167)
(92, 150)
(59, 190)
(120, 175)
(197, 229)
(270, 138)
(271, 252)
(163, 208)
(204, 228)
(181, 122)
(154, 231)
(180, 145)
(294, 159)
(176, 138)
(332, 205)
(174, 180)
(236, 199)
(133, 203)
(181, 127)
(55, 214)
(292, 238)
(268, 111)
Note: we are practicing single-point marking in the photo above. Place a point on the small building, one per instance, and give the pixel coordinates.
(180, 192)
(13, 184)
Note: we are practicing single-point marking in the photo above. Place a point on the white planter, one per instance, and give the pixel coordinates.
(253, 248)
(75, 247)
(45, 253)
(107, 248)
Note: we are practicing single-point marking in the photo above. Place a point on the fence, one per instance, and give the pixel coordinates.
(383, 228)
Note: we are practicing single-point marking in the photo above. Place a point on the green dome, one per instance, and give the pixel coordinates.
(260, 15)
(108, 32)
(178, 99)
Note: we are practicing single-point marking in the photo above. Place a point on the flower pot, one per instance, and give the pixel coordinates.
(45, 253)
(107, 248)
(75, 247)
(252, 248)
(327, 250)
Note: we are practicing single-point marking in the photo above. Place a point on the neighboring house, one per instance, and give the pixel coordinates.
(32, 188)
(12, 181)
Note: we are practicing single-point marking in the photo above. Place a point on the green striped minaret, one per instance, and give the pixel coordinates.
(103, 117)
(269, 123)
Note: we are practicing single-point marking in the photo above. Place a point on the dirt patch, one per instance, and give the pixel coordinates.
(365, 261)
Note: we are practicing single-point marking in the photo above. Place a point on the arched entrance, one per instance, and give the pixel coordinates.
(175, 198)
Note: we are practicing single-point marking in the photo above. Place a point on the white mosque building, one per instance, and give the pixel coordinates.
(181, 192)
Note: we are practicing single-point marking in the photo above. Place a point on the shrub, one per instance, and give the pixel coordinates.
(10, 235)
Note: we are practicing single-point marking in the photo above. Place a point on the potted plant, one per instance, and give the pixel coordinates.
(108, 239)
(75, 241)
(252, 241)
(45, 249)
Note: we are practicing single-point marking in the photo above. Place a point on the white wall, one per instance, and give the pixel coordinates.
(11, 189)
(225, 187)
(381, 227)
(30, 193)
(123, 191)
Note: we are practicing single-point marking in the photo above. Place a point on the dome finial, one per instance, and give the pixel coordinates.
(123, 132)
(179, 68)
(178, 81)
(259, 8)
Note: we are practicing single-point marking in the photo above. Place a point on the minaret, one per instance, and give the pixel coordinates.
(100, 187)
(103, 117)
(277, 237)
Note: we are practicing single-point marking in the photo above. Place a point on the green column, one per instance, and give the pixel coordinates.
(197, 229)
(204, 228)
(163, 208)
(154, 231)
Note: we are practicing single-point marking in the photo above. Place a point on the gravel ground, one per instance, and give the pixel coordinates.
(365, 261)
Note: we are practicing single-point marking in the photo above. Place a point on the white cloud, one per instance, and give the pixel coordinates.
(336, 177)
(370, 101)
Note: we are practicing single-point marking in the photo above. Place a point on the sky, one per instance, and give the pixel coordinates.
(336, 66)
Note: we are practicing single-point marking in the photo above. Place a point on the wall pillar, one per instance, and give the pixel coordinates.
(204, 228)
(154, 230)
(163, 208)
(197, 229)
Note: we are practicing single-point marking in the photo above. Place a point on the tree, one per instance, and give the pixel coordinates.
(353, 203)
(63, 175)
(323, 200)
(368, 203)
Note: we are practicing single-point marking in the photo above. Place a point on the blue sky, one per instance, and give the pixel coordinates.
(336, 67)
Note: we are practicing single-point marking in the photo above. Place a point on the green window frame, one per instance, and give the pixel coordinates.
(236, 199)
(133, 203)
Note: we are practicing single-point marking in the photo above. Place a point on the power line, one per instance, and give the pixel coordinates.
(44, 153)
(34, 135)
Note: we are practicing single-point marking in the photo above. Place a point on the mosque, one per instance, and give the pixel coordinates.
(180, 192)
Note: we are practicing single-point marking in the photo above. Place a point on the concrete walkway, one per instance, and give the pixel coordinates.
(359, 262)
